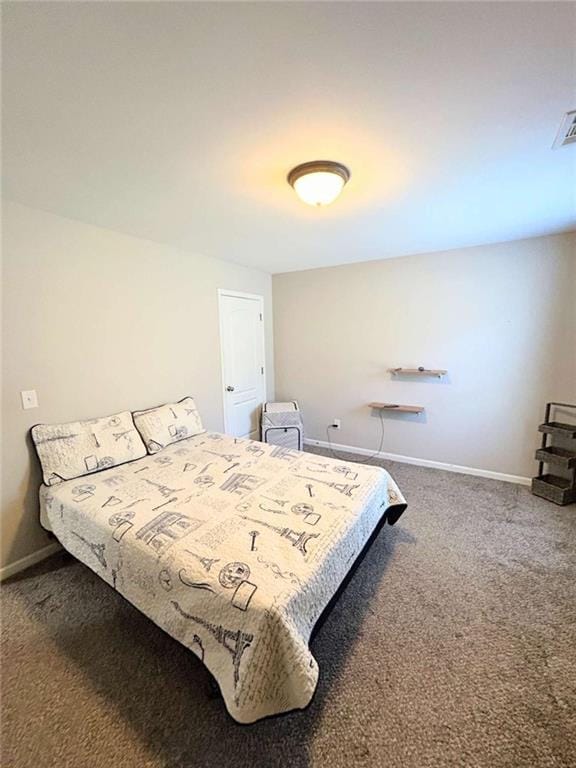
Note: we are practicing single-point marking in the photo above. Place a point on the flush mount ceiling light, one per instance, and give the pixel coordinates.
(320, 182)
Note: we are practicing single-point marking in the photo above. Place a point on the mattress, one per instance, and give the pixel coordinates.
(233, 547)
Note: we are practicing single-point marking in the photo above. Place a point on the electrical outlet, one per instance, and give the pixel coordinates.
(336, 423)
(29, 399)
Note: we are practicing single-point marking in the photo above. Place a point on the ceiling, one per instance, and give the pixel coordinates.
(178, 122)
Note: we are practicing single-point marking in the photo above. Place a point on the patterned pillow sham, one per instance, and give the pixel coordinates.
(168, 423)
(79, 448)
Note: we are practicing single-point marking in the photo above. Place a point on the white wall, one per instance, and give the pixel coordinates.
(99, 322)
(500, 318)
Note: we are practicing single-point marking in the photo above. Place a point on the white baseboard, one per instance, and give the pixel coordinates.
(423, 462)
(26, 562)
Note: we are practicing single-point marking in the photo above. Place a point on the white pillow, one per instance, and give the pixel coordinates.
(79, 448)
(168, 424)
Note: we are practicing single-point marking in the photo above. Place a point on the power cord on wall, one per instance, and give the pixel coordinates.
(368, 458)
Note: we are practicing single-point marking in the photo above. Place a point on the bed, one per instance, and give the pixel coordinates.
(231, 546)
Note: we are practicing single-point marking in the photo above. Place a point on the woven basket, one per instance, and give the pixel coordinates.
(554, 488)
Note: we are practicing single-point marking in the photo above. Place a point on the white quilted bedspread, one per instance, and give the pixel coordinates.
(233, 547)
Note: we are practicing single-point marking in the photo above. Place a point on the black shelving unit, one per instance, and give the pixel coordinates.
(561, 490)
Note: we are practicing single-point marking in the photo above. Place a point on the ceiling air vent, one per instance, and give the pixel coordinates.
(567, 133)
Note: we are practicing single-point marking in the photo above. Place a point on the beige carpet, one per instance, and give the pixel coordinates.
(453, 645)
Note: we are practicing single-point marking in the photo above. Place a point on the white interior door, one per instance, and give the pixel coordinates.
(243, 372)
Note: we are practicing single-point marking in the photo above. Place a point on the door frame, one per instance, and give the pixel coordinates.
(239, 295)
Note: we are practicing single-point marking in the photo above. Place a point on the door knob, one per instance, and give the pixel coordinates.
(229, 389)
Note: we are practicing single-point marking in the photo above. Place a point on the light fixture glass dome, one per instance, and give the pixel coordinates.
(320, 182)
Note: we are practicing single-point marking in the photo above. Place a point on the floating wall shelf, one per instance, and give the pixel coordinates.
(397, 408)
(438, 372)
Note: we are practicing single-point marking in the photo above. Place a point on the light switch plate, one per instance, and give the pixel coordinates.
(29, 399)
